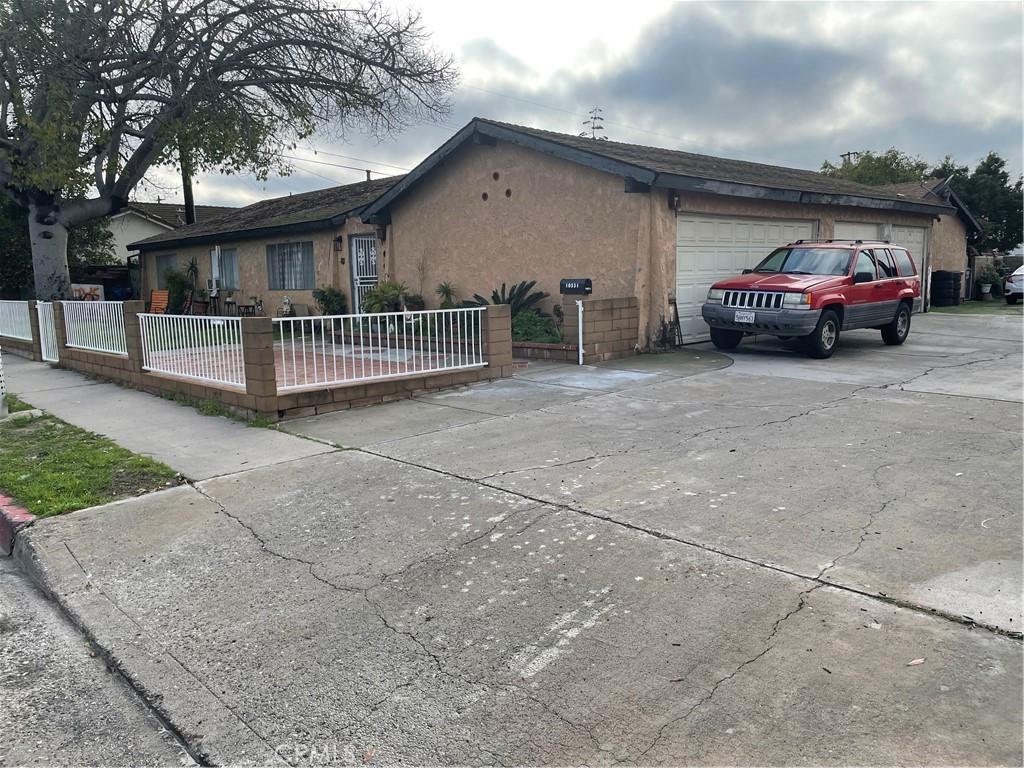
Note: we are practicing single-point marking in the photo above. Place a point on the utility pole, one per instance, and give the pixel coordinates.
(847, 155)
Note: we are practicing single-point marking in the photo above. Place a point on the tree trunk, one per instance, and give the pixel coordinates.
(49, 238)
(186, 184)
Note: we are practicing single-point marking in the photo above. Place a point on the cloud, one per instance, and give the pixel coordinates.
(786, 83)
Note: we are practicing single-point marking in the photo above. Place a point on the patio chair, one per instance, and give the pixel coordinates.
(158, 302)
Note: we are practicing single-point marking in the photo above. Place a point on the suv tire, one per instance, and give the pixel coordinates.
(822, 343)
(723, 338)
(1012, 299)
(895, 333)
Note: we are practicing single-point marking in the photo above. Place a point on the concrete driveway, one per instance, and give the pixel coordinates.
(683, 558)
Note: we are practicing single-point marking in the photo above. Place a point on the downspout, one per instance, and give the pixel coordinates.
(579, 332)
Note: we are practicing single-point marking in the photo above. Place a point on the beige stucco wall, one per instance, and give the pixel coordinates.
(130, 227)
(949, 244)
(559, 220)
(252, 265)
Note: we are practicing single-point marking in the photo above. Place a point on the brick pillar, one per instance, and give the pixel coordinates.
(60, 330)
(498, 339)
(258, 352)
(133, 338)
(37, 339)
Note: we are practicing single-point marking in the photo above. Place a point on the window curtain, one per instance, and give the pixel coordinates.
(229, 280)
(290, 267)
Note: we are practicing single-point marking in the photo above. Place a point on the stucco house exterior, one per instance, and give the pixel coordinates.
(287, 246)
(951, 232)
(139, 221)
(502, 203)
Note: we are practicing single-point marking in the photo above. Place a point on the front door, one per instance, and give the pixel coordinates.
(362, 251)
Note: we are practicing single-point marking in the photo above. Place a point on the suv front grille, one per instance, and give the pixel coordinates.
(753, 299)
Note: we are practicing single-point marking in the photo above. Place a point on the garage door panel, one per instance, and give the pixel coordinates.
(710, 248)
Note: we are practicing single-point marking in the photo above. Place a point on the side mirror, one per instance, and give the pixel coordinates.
(863, 277)
(747, 271)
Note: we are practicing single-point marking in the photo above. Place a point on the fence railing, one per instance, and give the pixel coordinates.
(15, 321)
(97, 326)
(340, 349)
(193, 347)
(47, 332)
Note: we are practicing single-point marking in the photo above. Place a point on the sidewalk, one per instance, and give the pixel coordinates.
(197, 446)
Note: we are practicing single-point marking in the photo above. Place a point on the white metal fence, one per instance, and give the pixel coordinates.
(340, 349)
(15, 321)
(202, 348)
(47, 332)
(97, 326)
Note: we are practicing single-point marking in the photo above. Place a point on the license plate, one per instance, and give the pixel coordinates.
(743, 317)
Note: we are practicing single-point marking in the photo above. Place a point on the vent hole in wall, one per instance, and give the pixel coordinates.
(508, 193)
(495, 175)
(484, 197)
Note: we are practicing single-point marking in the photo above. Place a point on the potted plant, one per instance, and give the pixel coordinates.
(987, 277)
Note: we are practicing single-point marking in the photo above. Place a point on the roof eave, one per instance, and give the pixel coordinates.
(238, 234)
(736, 189)
(961, 207)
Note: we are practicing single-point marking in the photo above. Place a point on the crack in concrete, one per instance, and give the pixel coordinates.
(934, 368)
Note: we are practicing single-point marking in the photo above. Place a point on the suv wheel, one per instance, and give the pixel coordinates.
(895, 333)
(822, 343)
(723, 338)
(1011, 298)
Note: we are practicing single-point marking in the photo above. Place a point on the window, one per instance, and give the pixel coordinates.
(225, 270)
(165, 262)
(886, 266)
(290, 267)
(807, 261)
(903, 261)
(865, 264)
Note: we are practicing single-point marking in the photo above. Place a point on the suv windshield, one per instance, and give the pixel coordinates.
(807, 261)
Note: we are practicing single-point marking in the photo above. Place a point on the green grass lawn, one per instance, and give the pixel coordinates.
(14, 404)
(994, 307)
(51, 467)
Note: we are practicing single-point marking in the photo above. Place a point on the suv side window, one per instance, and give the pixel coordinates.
(904, 262)
(865, 264)
(886, 266)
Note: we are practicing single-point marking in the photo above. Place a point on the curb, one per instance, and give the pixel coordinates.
(12, 519)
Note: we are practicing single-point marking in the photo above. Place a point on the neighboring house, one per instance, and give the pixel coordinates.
(951, 232)
(141, 220)
(501, 202)
(287, 246)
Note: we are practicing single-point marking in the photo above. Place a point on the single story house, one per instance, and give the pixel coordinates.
(141, 220)
(287, 246)
(952, 232)
(502, 203)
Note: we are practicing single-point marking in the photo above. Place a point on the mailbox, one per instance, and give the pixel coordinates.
(576, 286)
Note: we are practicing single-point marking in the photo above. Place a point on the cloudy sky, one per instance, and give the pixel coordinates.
(784, 83)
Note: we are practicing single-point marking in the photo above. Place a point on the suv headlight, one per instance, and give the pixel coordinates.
(715, 296)
(797, 300)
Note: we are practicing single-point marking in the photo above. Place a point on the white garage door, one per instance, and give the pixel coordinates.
(710, 248)
(915, 240)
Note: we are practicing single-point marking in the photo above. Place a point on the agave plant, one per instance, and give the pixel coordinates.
(518, 297)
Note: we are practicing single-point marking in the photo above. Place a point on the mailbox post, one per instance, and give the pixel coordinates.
(577, 286)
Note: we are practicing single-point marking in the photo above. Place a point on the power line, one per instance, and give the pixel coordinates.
(324, 162)
(360, 159)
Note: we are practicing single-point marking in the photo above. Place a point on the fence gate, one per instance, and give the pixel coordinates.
(363, 257)
(47, 331)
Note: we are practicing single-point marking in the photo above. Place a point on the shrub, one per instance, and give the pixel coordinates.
(386, 297)
(330, 301)
(531, 325)
(449, 296)
(518, 297)
(178, 285)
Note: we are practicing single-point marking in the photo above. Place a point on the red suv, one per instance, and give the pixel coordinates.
(815, 289)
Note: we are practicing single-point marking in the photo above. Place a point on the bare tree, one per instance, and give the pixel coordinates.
(594, 125)
(93, 93)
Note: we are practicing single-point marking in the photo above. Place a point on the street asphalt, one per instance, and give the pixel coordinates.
(688, 558)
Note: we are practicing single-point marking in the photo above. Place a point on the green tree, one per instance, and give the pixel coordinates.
(995, 201)
(93, 93)
(88, 243)
(875, 169)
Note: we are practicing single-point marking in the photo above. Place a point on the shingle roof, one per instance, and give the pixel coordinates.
(668, 168)
(678, 163)
(934, 190)
(173, 214)
(306, 210)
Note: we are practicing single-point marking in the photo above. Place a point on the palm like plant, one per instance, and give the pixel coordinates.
(518, 297)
